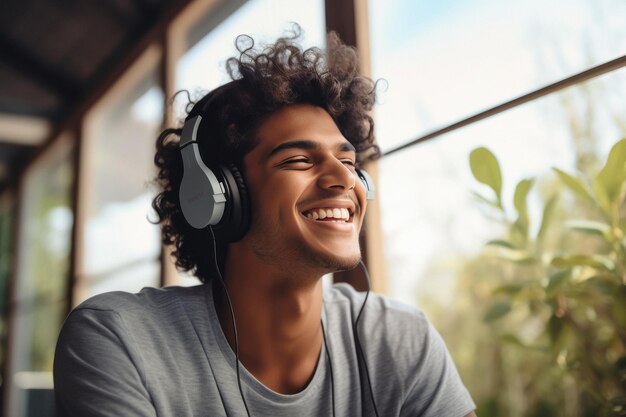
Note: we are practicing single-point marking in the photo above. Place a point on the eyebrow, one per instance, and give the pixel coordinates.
(309, 145)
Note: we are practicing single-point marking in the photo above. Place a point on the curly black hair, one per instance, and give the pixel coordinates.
(266, 79)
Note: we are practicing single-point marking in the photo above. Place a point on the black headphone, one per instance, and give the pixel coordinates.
(219, 197)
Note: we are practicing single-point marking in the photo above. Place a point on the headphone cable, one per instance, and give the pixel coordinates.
(232, 315)
(330, 368)
(356, 335)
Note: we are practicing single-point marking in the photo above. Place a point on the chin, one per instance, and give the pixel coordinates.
(336, 263)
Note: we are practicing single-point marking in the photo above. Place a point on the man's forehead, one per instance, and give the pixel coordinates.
(336, 144)
(303, 126)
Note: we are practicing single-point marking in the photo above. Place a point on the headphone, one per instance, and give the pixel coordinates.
(219, 197)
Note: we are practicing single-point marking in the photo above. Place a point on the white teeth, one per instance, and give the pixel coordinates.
(334, 213)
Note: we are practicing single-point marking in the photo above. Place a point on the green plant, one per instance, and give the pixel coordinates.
(558, 304)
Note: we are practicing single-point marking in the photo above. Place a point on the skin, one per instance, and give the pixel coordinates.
(274, 273)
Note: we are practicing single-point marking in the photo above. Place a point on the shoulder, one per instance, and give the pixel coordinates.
(150, 303)
(152, 309)
(107, 348)
(378, 308)
(147, 298)
(136, 322)
(404, 350)
(387, 326)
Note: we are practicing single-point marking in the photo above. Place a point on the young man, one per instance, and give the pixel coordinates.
(261, 196)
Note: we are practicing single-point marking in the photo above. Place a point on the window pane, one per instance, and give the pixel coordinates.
(120, 153)
(32, 389)
(446, 60)
(42, 269)
(425, 191)
(130, 277)
(434, 227)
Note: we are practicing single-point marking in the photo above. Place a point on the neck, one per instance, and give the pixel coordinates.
(278, 318)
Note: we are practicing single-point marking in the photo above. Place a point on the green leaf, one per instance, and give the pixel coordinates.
(497, 310)
(509, 289)
(619, 313)
(515, 255)
(577, 185)
(548, 210)
(602, 284)
(518, 234)
(591, 227)
(521, 194)
(594, 261)
(554, 328)
(500, 243)
(557, 280)
(609, 183)
(519, 201)
(486, 169)
(511, 339)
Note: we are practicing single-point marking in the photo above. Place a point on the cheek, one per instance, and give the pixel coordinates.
(259, 198)
(275, 196)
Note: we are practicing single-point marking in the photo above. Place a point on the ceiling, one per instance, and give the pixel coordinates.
(53, 55)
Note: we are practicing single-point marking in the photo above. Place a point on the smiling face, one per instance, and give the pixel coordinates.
(307, 201)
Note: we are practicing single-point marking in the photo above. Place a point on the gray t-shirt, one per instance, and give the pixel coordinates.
(162, 352)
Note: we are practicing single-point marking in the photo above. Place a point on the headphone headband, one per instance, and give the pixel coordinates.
(201, 108)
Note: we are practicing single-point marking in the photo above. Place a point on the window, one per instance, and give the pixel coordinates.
(121, 247)
(445, 61)
(40, 296)
(429, 216)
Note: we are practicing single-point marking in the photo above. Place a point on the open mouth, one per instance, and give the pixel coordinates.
(330, 214)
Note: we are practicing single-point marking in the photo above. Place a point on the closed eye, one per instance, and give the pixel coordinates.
(300, 163)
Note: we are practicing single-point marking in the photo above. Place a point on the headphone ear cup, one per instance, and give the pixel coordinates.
(237, 219)
(202, 199)
(368, 183)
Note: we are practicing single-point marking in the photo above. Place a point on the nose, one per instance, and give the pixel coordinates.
(336, 175)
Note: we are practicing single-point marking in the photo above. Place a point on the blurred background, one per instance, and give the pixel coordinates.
(500, 192)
